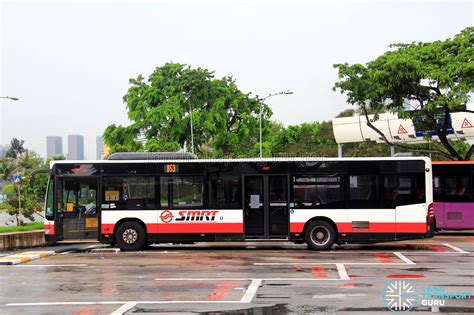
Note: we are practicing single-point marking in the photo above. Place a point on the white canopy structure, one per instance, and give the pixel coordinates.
(355, 129)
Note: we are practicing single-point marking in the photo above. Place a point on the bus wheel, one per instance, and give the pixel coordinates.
(130, 236)
(320, 235)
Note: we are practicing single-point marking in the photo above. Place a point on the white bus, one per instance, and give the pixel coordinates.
(135, 199)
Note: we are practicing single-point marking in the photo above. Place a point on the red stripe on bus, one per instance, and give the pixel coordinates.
(50, 228)
(374, 227)
(196, 228)
(156, 228)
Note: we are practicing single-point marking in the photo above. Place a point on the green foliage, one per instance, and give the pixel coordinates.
(21, 198)
(307, 139)
(225, 120)
(27, 227)
(421, 81)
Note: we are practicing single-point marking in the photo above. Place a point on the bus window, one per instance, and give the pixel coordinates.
(49, 213)
(318, 192)
(224, 192)
(131, 192)
(457, 188)
(184, 191)
(400, 190)
(363, 191)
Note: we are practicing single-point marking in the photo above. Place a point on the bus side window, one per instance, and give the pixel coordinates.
(363, 191)
(224, 192)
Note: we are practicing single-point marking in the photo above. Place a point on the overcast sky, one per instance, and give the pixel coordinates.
(69, 61)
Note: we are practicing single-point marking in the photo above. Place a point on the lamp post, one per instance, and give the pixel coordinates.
(10, 98)
(261, 109)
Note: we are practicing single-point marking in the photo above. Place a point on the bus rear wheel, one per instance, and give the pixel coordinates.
(320, 235)
(130, 236)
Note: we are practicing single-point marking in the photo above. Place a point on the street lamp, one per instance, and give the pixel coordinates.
(10, 98)
(261, 109)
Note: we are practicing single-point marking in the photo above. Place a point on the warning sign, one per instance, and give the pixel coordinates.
(466, 124)
(401, 130)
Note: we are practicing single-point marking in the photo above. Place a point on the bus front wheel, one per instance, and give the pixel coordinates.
(320, 235)
(130, 236)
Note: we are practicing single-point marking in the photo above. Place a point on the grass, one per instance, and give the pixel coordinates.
(27, 227)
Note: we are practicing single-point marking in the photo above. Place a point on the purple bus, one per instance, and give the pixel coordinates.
(453, 195)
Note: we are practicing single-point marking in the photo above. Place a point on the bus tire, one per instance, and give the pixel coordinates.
(130, 236)
(320, 235)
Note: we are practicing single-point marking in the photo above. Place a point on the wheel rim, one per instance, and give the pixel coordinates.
(320, 235)
(130, 236)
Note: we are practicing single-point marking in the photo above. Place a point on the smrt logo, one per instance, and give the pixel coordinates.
(166, 216)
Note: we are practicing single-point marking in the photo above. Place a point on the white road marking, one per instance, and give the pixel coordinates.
(405, 259)
(325, 263)
(245, 279)
(455, 248)
(119, 302)
(124, 308)
(338, 296)
(59, 265)
(251, 291)
(341, 269)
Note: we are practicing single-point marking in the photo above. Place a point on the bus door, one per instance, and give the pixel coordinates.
(77, 208)
(266, 206)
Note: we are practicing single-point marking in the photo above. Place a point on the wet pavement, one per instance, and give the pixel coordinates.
(240, 278)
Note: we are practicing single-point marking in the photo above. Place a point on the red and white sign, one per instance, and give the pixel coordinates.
(466, 124)
(402, 130)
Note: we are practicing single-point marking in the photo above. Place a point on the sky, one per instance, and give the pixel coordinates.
(69, 62)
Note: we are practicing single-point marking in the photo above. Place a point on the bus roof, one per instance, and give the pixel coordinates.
(257, 160)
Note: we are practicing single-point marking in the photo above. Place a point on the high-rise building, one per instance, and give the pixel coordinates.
(3, 151)
(99, 147)
(54, 146)
(75, 147)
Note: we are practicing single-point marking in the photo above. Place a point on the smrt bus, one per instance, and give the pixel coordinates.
(132, 200)
(453, 191)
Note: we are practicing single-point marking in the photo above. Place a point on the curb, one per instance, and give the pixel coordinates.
(24, 257)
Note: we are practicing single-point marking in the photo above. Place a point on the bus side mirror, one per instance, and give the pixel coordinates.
(33, 174)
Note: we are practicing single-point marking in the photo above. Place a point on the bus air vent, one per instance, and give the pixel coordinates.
(360, 225)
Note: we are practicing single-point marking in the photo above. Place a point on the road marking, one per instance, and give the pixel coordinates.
(59, 265)
(455, 248)
(124, 308)
(405, 259)
(251, 291)
(23, 257)
(341, 269)
(326, 263)
(119, 302)
(245, 279)
(338, 296)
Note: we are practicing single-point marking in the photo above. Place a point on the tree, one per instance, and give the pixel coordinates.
(307, 139)
(424, 82)
(15, 169)
(225, 120)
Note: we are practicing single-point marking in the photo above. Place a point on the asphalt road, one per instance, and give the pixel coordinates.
(243, 278)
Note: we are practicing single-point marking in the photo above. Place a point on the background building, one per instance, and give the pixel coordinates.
(99, 147)
(3, 151)
(75, 147)
(54, 146)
